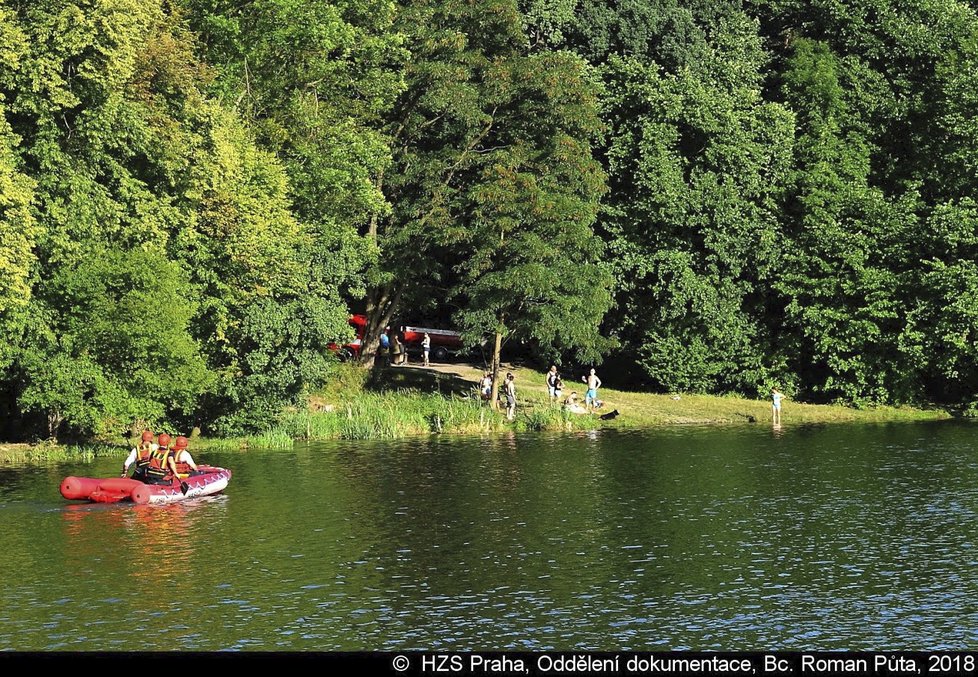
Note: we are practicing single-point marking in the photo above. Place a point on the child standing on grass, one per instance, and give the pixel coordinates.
(485, 386)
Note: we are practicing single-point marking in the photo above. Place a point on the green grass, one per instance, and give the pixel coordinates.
(17, 454)
(391, 415)
(396, 403)
(398, 414)
(640, 410)
(403, 402)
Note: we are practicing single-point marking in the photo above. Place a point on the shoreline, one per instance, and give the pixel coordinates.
(415, 401)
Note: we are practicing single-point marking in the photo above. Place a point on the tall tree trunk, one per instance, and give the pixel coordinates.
(54, 423)
(496, 348)
(382, 303)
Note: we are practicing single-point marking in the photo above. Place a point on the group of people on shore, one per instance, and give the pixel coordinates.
(507, 392)
(555, 389)
(395, 347)
(159, 462)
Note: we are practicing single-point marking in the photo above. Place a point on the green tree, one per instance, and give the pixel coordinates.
(17, 224)
(698, 165)
(546, 21)
(530, 264)
(129, 153)
(471, 108)
(17, 235)
(439, 129)
(317, 81)
(315, 78)
(109, 345)
(247, 253)
(940, 336)
(671, 33)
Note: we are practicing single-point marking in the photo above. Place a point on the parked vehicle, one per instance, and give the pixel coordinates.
(444, 342)
(351, 351)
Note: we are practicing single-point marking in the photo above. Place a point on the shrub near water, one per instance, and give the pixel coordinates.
(555, 418)
(397, 414)
(25, 453)
(390, 416)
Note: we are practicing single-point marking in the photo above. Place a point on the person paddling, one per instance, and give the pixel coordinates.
(140, 454)
(182, 454)
(161, 467)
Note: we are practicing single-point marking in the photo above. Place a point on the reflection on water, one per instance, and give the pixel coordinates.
(834, 537)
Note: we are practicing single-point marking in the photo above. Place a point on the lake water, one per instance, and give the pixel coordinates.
(834, 537)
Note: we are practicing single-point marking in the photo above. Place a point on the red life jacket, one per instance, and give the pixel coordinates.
(157, 466)
(143, 454)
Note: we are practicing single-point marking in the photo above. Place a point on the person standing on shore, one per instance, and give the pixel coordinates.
(397, 351)
(776, 406)
(510, 386)
(553, 378)
(426, 347)
(591, 396)
(485, 386)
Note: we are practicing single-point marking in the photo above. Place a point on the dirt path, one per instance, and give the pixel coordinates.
(471, 373)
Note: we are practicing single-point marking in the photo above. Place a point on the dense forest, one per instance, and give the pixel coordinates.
(715, 195)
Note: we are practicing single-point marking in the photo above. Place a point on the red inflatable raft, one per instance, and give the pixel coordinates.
(211, 480)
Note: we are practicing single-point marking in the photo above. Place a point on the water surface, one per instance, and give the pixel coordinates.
(835, 537)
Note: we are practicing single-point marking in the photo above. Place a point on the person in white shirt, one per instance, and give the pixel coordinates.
(182, 455)
(140, 454)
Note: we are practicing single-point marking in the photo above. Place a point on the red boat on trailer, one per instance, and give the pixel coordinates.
(208, 481)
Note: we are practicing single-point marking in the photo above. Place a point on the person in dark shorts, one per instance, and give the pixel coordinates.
(553, 383)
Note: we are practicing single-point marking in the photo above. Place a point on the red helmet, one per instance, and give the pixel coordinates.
(147, 436)
(164, 440)
(181, 443)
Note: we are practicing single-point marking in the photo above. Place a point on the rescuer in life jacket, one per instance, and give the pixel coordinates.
(140, 454)
(161, 467)
(182, 455)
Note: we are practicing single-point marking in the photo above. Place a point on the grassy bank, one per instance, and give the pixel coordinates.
(409, 401)
(394, 415)
(47, 452)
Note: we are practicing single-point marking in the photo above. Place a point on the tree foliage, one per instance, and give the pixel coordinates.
(698, 164)
(129, 153)
(533, 267)
(749, 193)
(480, 116)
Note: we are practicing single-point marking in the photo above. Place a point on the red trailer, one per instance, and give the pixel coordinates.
(351, 350)
(443, 341)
